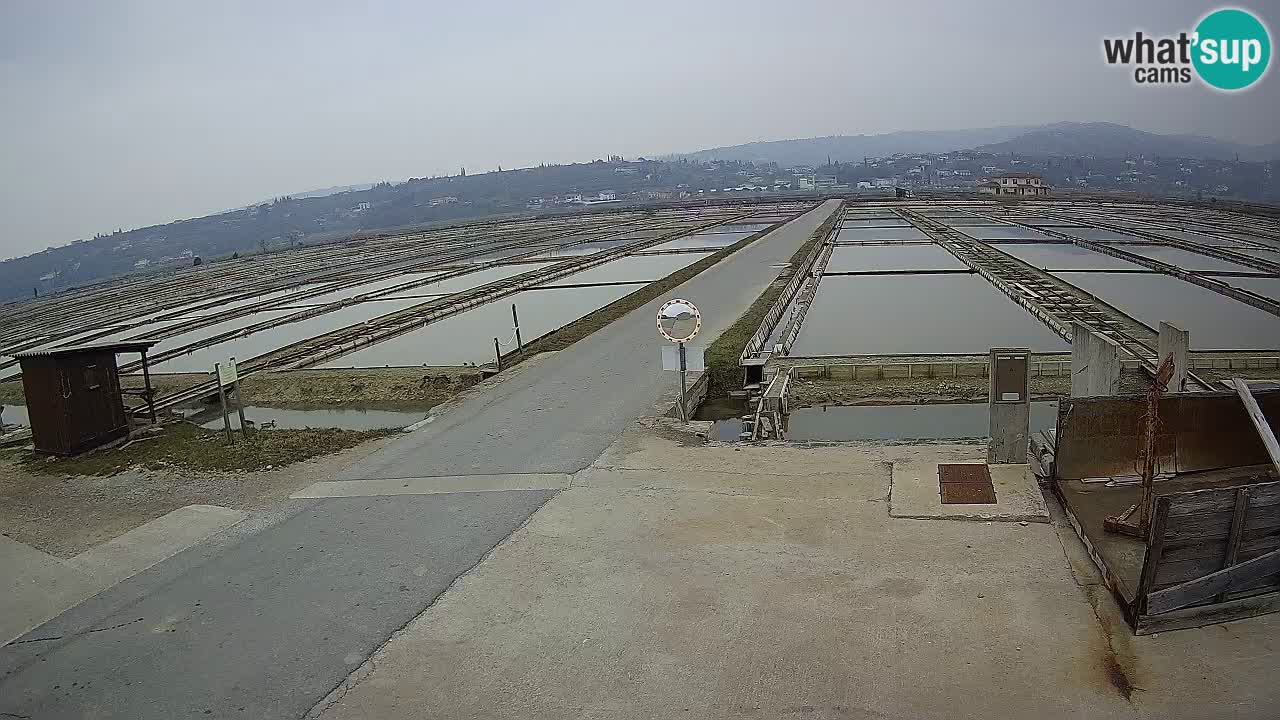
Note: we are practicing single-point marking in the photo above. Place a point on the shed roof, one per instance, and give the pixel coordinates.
(119, 347)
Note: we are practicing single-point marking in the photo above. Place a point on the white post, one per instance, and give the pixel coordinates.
(1176, 342)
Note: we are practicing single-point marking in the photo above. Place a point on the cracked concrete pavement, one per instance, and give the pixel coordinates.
(672, 580)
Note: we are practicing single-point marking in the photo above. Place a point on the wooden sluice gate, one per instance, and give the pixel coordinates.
(1209, 549)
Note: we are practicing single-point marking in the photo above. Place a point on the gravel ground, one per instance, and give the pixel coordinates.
(65, 516)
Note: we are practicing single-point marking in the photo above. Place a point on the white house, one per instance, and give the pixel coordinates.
(1015, 185)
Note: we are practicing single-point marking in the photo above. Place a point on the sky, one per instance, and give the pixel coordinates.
(131, 113)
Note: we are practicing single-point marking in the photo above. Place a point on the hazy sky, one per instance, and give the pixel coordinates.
(123, 114)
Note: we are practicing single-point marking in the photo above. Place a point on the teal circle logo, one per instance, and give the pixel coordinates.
(1232, 49)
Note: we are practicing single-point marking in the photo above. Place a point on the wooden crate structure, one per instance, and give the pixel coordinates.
(1212, 555)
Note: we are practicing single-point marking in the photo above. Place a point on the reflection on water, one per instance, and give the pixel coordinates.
(14, 415)
(468, 337)
(1185, 259)
(1064, 256)
(643, 268)
(1215, 321)
(885, 314)
(862, 258)
(1003, 232)
(727, 416)
(838, 423)
(348, 418)
(880, 233)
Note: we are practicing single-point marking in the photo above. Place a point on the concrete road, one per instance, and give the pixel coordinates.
(267, 627)
(560, 417)
(266, 621)
(766, 582)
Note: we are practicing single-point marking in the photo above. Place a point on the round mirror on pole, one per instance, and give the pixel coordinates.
(679, 320)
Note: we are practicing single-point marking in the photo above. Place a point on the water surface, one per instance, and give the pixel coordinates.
(347, 418)
(924, 314)
(862, 258)
(838, 423)
(1215, 321)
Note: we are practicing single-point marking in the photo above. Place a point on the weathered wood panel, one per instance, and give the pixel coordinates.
(1100, 436)
(1193, 503)
(1236, 609)
(1248, 574)
(1210, 547)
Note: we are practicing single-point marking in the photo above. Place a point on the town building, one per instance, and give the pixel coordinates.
(1015, 185)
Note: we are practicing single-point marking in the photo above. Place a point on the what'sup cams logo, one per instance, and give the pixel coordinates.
(1228, 50)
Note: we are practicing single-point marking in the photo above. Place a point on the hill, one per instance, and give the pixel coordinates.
(1067, 139)
(847, 148)
(290, 220)
(1114, 141)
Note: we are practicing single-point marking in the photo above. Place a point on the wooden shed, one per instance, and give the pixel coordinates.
(74, 399)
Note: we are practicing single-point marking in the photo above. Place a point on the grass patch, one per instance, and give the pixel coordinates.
(584, 326)
(11, 393)
(724, 372)
(188, 447)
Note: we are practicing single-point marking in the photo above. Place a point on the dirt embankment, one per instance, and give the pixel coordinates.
(378, 385)
(807, 392)
(422, 386)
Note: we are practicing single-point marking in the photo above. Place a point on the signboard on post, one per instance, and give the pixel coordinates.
(229, 377)
(695, 359)
(227, 372)
(679, 321)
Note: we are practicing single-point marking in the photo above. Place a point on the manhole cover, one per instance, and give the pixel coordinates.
(966, 485)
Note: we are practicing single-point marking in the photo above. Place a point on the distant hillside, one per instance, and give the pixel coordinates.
(324, 192)
(1270, 152)
(290, 220)
(845, 148)
(1065, 139)
(1111, 140)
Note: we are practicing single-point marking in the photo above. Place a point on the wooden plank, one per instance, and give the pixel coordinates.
(1261, 520)
(1259, 421)
(1194, 549)
(1189, 593)
(1237, 532)
(1224, 499)
(1207, 614)
(1217, 526)
(1155, 548)
(1171, 573)
(1270, 583)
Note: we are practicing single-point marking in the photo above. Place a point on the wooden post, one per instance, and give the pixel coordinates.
(1155, 549)
(497, 352)
(516, 320)
(222, 396)
(235, 389)
(1095, 363)
(1259, 420)
(146, 382)
(1235, 534)
(1174, 341)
